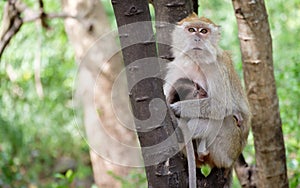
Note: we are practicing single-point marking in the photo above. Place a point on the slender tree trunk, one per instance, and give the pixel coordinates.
(164, 168)
(97, 73)
(256, 47)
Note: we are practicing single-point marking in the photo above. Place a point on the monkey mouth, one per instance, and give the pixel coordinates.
(197, 48)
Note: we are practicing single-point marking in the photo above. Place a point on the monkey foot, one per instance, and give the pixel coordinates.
(202, 155)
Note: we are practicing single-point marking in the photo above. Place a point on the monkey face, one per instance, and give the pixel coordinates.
(197, 39)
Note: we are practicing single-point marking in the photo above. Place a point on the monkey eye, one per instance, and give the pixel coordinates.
(203, 31)
(191, 29)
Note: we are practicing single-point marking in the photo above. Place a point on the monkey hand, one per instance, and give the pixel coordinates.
(186, 109)
(194, 108)
(176, 108)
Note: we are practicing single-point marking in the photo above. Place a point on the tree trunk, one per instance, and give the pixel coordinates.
(165, 167)
(256, 47)
(98, 70)
(168, 13)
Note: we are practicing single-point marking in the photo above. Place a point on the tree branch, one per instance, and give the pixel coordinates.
(11, 24)
(35, 15)
(12, 20)
(165, 166)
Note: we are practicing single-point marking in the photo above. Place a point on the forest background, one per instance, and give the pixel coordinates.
(38, 135)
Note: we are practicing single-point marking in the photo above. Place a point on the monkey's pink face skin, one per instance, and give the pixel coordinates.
(196, 39)
(197, 35)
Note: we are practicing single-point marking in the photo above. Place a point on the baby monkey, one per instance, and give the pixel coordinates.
(184, 89)
(202, 132)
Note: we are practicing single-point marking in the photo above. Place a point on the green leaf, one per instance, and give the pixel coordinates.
(59, 176)
(205, 170)
(70, 175)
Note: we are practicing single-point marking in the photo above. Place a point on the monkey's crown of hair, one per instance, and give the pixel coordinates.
(193, 18)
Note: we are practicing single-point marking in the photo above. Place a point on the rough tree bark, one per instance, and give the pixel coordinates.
(96, 77)
(137, 41)
(168, 13)
(256, 47)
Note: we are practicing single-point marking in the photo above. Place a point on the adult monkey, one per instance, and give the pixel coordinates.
(199, 59)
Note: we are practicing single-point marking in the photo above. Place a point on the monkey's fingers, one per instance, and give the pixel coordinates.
(176, 109)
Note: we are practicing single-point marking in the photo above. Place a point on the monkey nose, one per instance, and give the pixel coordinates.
(197, 39)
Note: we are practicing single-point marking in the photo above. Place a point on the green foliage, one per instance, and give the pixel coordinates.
(135, 179)
(37, 131)
(65, 180)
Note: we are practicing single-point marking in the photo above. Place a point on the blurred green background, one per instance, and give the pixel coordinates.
(36, 134)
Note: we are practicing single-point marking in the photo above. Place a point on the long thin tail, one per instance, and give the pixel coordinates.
(191, 164)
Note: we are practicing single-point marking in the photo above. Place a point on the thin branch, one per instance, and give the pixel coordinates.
(11, 24)
(43, 15)
(36, 15)
(37, 64)
(12, 20)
